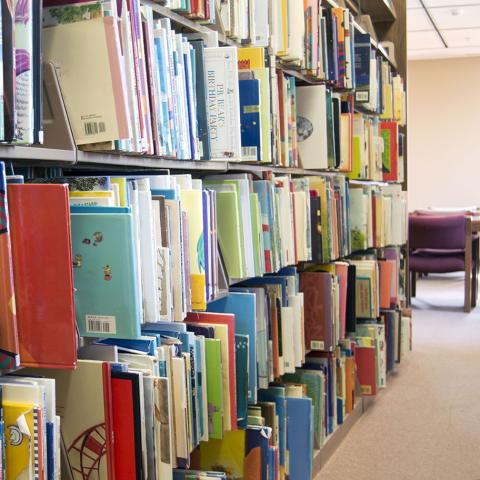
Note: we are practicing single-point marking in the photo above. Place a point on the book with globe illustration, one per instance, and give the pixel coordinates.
(312, 126)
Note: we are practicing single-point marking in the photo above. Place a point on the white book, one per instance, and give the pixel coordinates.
(133, 194)
(312, 126)
(163, 428)
(180, 408)
(221, 67)
(288, 333)
(148, 252)
(296, 33)
(148, 395)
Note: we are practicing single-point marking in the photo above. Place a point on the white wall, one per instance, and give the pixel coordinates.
(444, 133)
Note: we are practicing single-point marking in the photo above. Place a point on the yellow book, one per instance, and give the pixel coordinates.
(122, 187)
(192, 203)
(284, 32)
(250, 58)
(19, 421)
(93, 198)
(388, 112)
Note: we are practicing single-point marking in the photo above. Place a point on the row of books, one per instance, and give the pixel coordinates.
(378, 215)
(378, 150)
(21, 120)
(184, 394)
(378, 88)
(190, 101)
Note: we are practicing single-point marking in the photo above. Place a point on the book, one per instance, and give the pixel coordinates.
(104, 271)
(223, 102)
(8, 326)
(42, 271)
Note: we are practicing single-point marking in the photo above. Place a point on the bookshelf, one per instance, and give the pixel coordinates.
(60, 151)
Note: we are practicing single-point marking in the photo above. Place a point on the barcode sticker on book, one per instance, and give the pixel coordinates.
(362, 96)
(317, 345)
(94, 128)
(249, 153)
(101, 324)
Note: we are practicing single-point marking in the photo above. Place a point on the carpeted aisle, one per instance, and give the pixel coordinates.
(426, 424)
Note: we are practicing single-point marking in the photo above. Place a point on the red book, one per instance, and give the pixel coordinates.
(42, 266)
(127, 447)
(317, 293)
(389, 133)
(366, 370)
(229, 320)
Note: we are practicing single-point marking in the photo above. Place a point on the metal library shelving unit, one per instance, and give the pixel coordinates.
(388, 18)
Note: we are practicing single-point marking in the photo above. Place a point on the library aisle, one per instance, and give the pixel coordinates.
(425, 424)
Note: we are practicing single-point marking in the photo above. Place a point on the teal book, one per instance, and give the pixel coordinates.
(105, 275)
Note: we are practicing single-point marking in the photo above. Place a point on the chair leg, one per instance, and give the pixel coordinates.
(468, 288)
(413, 284)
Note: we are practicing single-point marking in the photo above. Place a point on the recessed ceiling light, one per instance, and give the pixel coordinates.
(456, 12)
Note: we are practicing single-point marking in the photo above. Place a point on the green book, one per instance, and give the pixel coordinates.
(257, 234)
(229, 235)
(213, 360)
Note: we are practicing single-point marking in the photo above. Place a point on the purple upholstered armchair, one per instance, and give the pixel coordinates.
(443, 244)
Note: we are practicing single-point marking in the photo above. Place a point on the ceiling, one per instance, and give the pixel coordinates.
(443, 28)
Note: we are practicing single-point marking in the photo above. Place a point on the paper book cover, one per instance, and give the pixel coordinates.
(42, 271)
(192, 203)
(97, 114)
(228, 320)
(250, 119)
(243, 306)
(127, 424)
(300, 438)
(8, 325)
(23, 68)
(242, 376)
(9, 74)
(20, 427)
(213, 358)
(104, 266)
(256, 452)
(312, 126)
(163, 427)
(223, 102)
(226, 455)
(83, 399)
(201, 98)
(389, 133)
(317, 291)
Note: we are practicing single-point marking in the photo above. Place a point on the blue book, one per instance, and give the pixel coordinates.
(277, 395)
(98, 209)
(299, 437)
(362, 66)
(250, 119)
(257, 438)
(105, 275)
(169, 194)
(243, 305)
(147, 345)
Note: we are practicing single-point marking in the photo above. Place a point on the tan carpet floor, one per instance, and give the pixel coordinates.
(426, 424)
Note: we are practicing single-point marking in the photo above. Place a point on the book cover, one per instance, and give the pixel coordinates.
(42, 272)
(242, 376)
(250, 120)
(213, 360)
(9, 71)
(228, 320)
(223, 102)
(300, 437)
(243, 306)
(104, 265)
(317, 290)
(97, 114)
(8, 325)
(127, 424)
(312, 126)
(23, 42)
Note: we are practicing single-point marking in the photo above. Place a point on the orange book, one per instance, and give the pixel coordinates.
(42, 267)
(8, 322)
(386, 272)
(350, 376)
